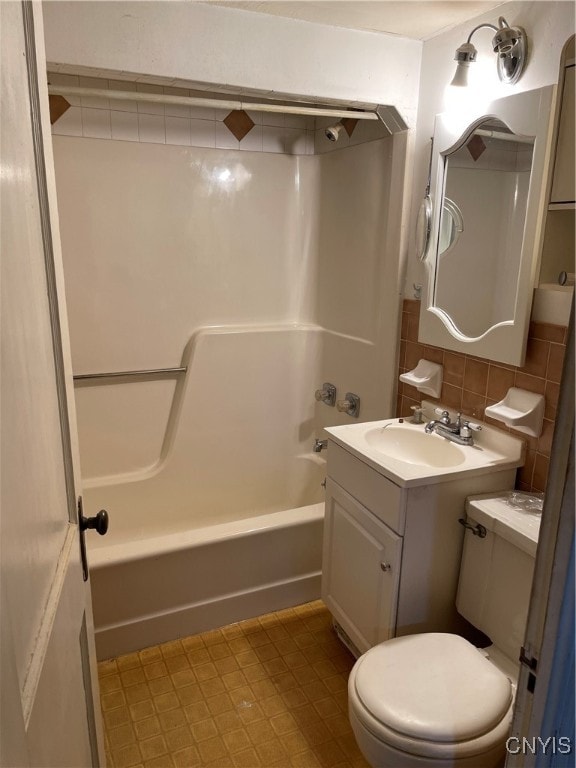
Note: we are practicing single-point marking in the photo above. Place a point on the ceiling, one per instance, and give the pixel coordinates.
(418, 20)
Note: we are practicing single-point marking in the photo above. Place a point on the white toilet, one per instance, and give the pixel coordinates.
(435, 699)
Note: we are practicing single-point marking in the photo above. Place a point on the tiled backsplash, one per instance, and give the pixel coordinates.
(471, 383)
(100, 118)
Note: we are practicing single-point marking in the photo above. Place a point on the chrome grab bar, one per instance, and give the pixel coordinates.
(122, 374)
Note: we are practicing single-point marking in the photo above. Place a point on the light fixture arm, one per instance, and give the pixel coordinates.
(483, 26)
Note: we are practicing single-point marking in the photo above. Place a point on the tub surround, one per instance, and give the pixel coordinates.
(471, 383)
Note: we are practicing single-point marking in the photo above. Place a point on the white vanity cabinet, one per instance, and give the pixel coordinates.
(391, 554)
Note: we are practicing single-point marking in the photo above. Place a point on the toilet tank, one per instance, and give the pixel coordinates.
(496, 571)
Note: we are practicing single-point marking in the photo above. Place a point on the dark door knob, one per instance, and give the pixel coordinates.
(99, 522)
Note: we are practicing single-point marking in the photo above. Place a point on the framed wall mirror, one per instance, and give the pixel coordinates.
(487, 197)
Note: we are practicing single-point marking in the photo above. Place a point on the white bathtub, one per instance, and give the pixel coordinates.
(157, 589)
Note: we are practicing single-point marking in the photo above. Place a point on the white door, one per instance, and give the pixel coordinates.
(48, 676)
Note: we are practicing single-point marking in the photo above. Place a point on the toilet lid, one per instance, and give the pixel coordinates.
(435, 687)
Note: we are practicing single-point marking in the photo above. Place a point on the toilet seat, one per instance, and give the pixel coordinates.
(432, 695)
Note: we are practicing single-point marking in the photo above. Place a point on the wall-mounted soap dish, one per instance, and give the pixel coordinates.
(520, 410)
(426, 377)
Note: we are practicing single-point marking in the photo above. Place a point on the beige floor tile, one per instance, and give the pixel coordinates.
(236, 741)
(122, 736)
(196, 712)
(270, 752)
(125, 757)
(160, 685)
(212, 749)
(172, 648)
(153, 747)
(112, 700)
(148, 655)
(164, 761)
(145, 729)
(166, 701)
(178, 738)
(182, 678)
(268, 692)
(174, 718)
(187, 758)
(219, 704)
(226, 665)
(116, 717)
(132, 677)
(273, 705)
(203, 730)
(142, 709)
(228, 721)
(176, 663)
(128, 661)
(248, 758)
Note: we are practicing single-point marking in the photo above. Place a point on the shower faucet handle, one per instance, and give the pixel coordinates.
(327, 394)
(351, 405)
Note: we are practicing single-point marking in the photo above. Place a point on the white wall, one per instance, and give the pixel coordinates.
(548, 26)
(229, 47)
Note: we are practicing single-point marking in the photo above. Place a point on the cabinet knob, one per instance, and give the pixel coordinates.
(386, 566)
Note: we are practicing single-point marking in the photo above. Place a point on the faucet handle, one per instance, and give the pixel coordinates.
(351, 405)
(327, 394)
(445, 415)
(467, 428)
(417, 416)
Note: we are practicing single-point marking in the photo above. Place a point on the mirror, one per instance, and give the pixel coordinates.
(486, 180)
(487, 204)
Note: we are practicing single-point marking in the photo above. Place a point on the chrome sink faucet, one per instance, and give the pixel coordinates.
(457, 431)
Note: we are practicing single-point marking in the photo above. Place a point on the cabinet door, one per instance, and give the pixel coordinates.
(563, 181)
(360, 569)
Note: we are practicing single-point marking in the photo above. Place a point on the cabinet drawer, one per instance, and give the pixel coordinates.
(381, 496)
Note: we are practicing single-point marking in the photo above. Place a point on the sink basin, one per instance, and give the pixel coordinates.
(404, 453)
(415, 447)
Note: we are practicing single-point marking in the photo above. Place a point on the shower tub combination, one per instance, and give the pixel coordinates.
(227, 523)
(213, 490)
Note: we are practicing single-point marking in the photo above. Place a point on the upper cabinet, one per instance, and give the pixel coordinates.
(488, 200)
(557, 264)
(563, 180)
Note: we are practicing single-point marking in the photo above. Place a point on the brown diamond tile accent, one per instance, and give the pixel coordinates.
(349, 124)
(58, 105)
(239, 123)
(476, 147)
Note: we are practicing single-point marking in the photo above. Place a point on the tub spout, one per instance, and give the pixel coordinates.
(319, 444)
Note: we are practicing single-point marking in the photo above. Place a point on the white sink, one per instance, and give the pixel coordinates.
(409, 456)
(414, 446)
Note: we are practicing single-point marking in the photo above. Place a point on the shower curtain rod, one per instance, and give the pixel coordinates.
(198, 101)
(504, 136)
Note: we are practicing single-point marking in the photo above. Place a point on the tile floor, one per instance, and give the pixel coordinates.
(269, 691)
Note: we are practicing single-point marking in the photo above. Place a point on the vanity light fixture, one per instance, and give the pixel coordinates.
(509, 43)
